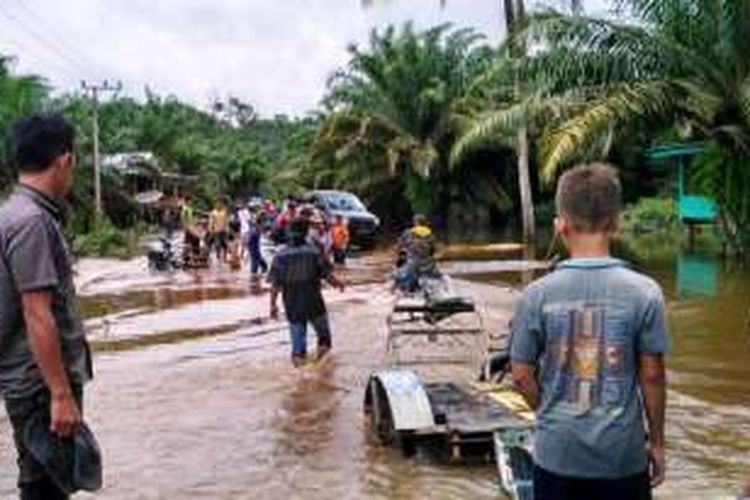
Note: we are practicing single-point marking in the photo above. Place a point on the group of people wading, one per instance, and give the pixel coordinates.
(236, 236)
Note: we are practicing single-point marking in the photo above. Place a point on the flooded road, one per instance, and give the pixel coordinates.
(195, 397)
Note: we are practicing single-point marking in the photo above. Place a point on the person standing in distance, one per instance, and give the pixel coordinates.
(44, 356)
(587, 351)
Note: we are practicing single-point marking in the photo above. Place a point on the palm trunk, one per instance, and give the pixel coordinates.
(524, 186)
(513, 15)
(510, 18)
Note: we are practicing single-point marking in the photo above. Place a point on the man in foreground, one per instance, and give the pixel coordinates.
(587, 352)
(44, 356)
(296, 272)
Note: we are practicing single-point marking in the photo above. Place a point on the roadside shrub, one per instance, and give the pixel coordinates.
(651, 215)
(651, 231)
(106, 241)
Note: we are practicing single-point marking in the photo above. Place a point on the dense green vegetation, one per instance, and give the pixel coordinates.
(438, 121)
(675, 68)
(230, 149)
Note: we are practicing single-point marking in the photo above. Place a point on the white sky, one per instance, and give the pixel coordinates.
(276, 54)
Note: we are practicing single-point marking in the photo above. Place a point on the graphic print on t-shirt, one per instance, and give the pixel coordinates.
(589, 359)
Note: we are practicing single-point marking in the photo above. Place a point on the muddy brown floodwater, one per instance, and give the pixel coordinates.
(194, 395)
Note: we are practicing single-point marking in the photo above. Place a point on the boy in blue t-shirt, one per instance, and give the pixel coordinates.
(587, 352)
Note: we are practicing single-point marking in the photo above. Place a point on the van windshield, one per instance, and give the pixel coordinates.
(344, 201)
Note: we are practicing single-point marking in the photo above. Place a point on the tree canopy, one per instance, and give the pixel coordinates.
(429, 120)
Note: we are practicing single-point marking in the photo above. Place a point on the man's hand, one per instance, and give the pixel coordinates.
(524, 376)
(657, 465)
(65, 416)
(274, 308)
(336, 282)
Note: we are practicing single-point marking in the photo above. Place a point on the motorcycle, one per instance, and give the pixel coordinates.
(163, 257)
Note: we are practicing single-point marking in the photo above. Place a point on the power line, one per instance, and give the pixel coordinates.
(58, 45)
(42, 60)
(74, 48)
(60, 37)
(43, 41)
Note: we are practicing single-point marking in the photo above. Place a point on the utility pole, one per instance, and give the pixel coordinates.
(94, 90)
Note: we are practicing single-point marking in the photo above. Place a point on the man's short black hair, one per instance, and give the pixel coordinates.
(37, 140)
(298, 229)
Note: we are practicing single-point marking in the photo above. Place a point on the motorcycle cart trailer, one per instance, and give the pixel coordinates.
(466, 420)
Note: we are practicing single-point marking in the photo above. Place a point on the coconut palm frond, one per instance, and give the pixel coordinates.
(490, 126)
(629, 103)
(424, 157)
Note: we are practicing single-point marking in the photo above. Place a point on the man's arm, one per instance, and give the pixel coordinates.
(44, 341)
(526, 346)
(652, 379)
(274, 302)
(325, 272)
(524, 376)
(275, 278)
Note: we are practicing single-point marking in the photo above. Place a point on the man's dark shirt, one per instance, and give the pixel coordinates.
(34, 256)
(297, 271)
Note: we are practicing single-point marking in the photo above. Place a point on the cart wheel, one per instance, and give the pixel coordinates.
(383, 428)
(381, 420)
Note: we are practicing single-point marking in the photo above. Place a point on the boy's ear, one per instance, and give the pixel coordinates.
(561, 225)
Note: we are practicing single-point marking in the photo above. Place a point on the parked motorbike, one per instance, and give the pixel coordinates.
(163, 257)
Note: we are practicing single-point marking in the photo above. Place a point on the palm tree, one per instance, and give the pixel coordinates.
(514, 13)
(664, 63)
(393, 113)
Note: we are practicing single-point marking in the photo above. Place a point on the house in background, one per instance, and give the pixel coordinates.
(155, 189)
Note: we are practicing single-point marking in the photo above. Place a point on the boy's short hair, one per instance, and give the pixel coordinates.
(589, 197)
(35, 141)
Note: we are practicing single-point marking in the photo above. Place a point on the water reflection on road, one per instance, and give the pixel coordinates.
(194, 395)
